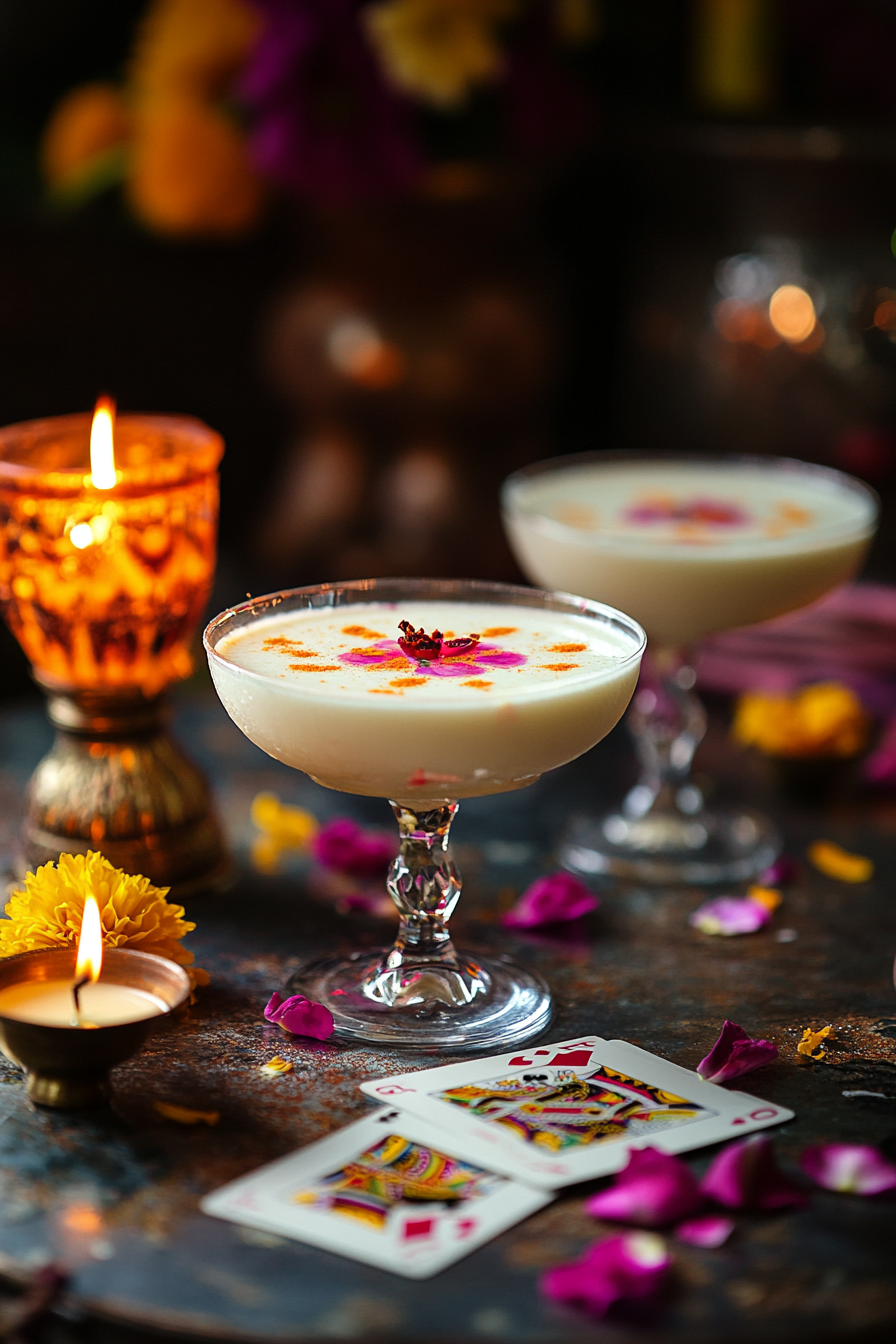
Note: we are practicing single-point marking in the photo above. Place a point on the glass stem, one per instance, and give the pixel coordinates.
(667, 723)
(424, 883)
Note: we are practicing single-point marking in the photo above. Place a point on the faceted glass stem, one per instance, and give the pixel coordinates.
(667, 722)
(422, 965)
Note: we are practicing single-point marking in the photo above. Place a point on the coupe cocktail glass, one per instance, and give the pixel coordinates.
(689, 545)
(317, 678)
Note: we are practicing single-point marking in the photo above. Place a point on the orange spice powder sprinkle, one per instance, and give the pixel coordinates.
(567, 648)
(408, 681)
(559, 667)
(478, 685)
(314, 667)
(361, 632)
(496, 631)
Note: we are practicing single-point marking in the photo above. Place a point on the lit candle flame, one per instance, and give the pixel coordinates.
(90, 943)
(102, 451)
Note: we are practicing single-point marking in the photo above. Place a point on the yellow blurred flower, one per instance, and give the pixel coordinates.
(838, 863)
(48, 911)
(813, 1042)
(439, 49)
(276, 1066)
(86, 126)
(282, 827)
(770, 897)
(190, 170)
(826, 719)
(191, 47)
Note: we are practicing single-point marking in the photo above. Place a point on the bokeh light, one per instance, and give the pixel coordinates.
(792, 313)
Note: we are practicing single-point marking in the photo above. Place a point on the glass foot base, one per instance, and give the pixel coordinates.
(711, 846)
(509, 1005)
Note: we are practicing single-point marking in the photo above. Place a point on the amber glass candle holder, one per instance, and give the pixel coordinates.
(103, 588)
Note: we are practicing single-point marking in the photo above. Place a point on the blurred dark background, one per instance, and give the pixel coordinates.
(377, 366)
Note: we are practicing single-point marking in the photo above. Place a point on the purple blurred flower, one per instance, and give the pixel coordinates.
(632, 1265)
(325, 124)
(729, 915)
(300, 1017)
(782, 871)
(654, 1188)
(551, 900)
(735, 1053)
(852, 1168)
(710, 1231)
(880, 767)
(746, 1176)
(346, 847)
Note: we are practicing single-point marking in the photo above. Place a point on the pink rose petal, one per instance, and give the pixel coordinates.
(746, 1176)
(782, 871)
(300, 1017)
(729, 915)
(654, 1188)
(632, 1265)
(346, 847)
(852, 1168)
(709, 1232)
(735, 1053)
(551, 900)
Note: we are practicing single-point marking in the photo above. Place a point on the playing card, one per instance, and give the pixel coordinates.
(388, 1190)
(557, 1114)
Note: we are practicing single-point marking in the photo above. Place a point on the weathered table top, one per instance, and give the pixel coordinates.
(114, 1195)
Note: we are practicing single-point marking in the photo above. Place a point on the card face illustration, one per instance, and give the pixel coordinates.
(386, 1190)
(563, 1113)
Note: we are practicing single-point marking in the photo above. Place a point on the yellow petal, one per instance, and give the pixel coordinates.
(184, 1116)
(291, 827)
(835, 862)
(766, 896)
(277, 1065)
(812, 1043)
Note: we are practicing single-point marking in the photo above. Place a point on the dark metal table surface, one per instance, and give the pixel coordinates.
(113, 1196)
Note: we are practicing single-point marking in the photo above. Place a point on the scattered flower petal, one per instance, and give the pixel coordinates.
(880, 767)
(782, 871)
(654, 1188)
(838, 863)
(730, 915)
(824, 720)
(709, 1232)
(746, 1176)
(852, 1168)
(554, 899)
(182, 1115)
(346, 847)
(767, 896)
(735, 1053)
(632, 1265)
(282, 828)
(277, 1065)
(300, 1017)
(813, 1042)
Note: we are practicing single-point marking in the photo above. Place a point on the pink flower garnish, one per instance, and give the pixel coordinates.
(852, 1168)
(551, 900)
(451, 662)
(782, 871)
(746, 1176)
(710, 1231)
(735, 1053)
(300, 1017)
(420, 646)
(654, 1188)
(714, 512)
(632, 1265)
(346, 847)
(729, 915)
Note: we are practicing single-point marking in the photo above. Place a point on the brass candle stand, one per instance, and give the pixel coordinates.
(115, 781)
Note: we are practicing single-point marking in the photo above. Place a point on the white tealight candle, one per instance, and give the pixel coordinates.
(50, 1003)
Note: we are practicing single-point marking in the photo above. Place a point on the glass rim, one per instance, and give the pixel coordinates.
(416, 589)
(510, 505)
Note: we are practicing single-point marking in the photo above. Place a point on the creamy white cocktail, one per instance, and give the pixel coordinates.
(688, 547)
(334, 694)
(425, 692)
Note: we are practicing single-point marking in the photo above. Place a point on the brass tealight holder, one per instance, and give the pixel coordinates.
(68, 1067)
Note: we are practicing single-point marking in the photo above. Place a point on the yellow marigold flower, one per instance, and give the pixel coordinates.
(822, 720)
(439, 49)
(191, 172)
(48, 911)
(835, 862)
(85, 126)
(182, 1115)
(192, 47)
(766, 896)
(276, 1066)
(812, 1043)
(282, 827)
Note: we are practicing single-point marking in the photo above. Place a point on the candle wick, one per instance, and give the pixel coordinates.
(76, 993)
